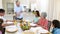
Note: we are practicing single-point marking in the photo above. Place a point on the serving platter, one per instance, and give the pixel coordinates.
(11, 29)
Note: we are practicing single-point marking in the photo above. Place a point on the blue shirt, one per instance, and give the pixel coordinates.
(36, 19)
(56, 31)
(17, 10)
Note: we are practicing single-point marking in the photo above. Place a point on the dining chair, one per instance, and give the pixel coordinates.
(49, 25)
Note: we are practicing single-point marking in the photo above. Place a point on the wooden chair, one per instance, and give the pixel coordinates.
(49, 25)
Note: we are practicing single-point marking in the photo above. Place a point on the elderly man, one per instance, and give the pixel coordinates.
(18, 11)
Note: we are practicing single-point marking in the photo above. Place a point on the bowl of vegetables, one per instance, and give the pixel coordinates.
(25, 26)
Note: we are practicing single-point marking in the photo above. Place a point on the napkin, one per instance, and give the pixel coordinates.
(38, 30)
(32, 24)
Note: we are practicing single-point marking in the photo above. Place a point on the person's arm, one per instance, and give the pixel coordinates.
(5, 23)
(38, 23)
(15, 11)
(9, 21)
(35, 20)
(9, 24)
(45, 26)
(15, 14)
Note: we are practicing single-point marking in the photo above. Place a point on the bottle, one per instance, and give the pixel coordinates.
(28, 23)
(15, 22)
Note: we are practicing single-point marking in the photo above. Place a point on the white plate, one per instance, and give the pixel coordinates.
(41, 30)
(38, 30)
(9, 22)
(11, 28)
(32, 24)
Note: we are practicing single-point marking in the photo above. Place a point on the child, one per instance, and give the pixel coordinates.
(56, 27)
(1, 27)
(2, 13)
(37, 15)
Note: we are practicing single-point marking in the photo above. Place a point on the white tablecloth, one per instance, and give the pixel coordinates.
(36, 30)
(19, 30)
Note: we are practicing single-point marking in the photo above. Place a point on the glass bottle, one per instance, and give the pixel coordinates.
(15, 22)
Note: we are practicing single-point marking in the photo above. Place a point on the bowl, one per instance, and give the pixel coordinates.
(25, 28)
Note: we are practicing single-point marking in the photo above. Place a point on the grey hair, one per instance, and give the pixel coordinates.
(44, 14)
(17, 1)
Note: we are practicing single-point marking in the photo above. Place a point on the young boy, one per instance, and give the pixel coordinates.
(4, 24)
(56, 27)
(2, 13)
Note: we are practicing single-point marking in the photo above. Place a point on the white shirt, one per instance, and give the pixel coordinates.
(1, 17)
(17, 10)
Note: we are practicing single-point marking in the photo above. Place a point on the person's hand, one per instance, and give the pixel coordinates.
(3, 25)
(37, 25)
(18, 14)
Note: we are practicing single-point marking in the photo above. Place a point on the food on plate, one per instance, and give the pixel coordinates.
(25, 25)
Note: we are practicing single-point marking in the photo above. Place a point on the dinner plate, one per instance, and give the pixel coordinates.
(12, 28)
(9, 22)
(32, 24)
(41, 30)
(38, 30)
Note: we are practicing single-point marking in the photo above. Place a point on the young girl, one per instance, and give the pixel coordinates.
(37, 15)
(56, 27)
(1, 27)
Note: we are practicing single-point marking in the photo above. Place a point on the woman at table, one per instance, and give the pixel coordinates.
(43, 22)
(37, 16)
(56, 27)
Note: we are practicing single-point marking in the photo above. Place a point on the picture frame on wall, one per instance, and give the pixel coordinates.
(10, 8)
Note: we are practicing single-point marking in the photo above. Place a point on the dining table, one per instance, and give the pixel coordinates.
(36, 30)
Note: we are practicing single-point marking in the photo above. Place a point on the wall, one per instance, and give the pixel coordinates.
(52, 7)
(4, 3)
(58, 9)
(56, 13)
(1, 4)
(41, 5)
